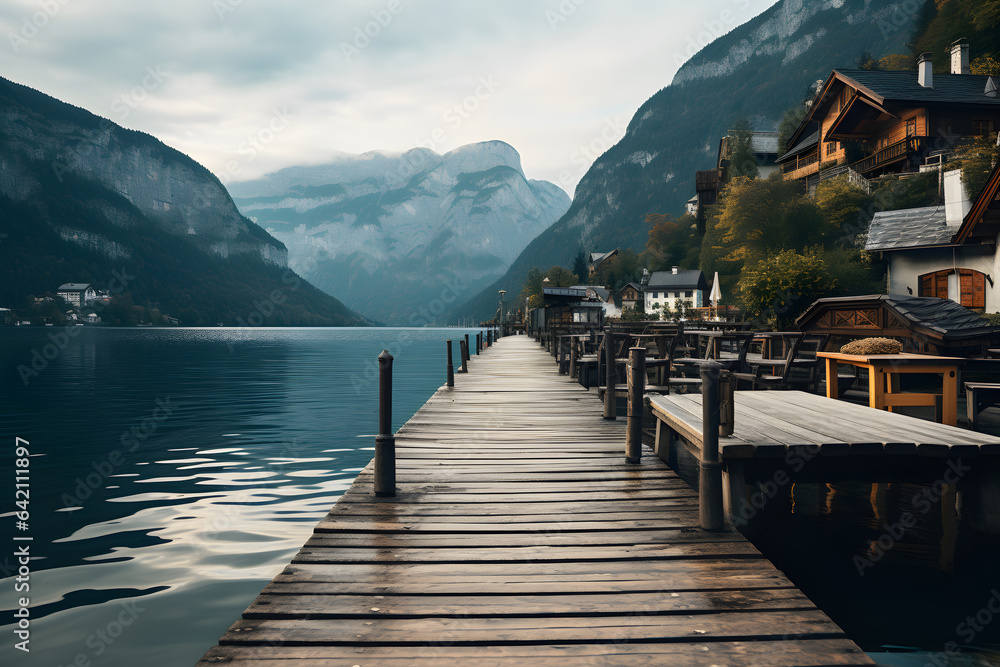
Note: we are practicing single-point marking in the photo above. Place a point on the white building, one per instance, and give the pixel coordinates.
(77, 294)
(666, 290)
(949, 251)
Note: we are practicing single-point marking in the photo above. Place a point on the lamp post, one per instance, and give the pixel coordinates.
(502, 292)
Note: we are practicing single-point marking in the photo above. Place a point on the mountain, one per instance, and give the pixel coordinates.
(757, 70)
(84, 200)
(402, 237)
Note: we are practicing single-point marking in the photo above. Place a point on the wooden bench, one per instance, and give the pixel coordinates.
(979, 396)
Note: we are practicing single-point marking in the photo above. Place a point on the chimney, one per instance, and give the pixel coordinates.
(960, 56)
(925, 71)
(674, 271)
(956, 202)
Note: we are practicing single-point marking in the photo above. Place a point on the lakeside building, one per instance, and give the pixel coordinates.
(868, 123)
(77, 294)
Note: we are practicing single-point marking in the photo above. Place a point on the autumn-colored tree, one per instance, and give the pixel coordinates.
(987, 65)
(757, 217)
(615, 272)
(846, 209)
(672, 242)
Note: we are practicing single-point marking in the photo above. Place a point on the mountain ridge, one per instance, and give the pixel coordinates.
(385, 231)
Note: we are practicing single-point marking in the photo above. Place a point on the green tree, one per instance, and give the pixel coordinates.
(774, 290)
(532, 284)
(560, 277)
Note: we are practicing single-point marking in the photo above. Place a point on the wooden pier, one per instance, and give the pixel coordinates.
(519, 536)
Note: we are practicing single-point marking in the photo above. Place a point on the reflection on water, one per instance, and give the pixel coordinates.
(175, 471)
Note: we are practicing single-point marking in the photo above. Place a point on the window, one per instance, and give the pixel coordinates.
(971, 286)
(981, 128)
(687, 295)
(911, 127)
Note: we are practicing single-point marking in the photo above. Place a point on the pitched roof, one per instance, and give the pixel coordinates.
(691, 279)
(903, 87)
(603, 293)
(73, 287)
(950, 319)
(910, 228)
(598, 258)
(801, 147)
(985, 210)
(943, 318)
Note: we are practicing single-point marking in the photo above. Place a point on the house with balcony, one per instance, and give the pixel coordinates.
(873, 123)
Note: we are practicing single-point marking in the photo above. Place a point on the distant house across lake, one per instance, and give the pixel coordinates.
(77, 294)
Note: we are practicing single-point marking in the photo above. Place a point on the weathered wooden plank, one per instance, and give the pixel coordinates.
(802, 652)
(518, 535)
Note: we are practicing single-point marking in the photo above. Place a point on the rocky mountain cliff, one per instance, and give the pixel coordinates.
(403, 236)
(757, 71)
(82, 197)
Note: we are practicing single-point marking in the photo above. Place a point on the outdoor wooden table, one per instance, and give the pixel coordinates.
(884, 371)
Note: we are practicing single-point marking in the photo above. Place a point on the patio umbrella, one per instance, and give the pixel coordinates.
(716, 294)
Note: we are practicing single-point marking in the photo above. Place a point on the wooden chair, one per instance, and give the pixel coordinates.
(759, 378)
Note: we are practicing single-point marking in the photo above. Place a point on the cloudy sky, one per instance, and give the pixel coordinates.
(249, 86)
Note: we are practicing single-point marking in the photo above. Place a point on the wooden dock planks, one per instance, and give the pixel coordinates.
(520, 537)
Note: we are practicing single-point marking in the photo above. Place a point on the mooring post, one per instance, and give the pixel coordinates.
(562, 355)
(468, 350)
(611, 377)
(710, 473)
(636, 388)
(464, 344)
(489, 338)
(572, 358)
(385, 441)
(451, 368)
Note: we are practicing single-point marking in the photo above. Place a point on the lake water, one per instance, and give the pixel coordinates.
(174, 472)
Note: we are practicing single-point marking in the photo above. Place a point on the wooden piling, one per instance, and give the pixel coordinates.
(385, 442)
(468, 349)
(451, 368)
(573, 371)
(710, 469)
(611, 377)
(464, 347)
(636, 388)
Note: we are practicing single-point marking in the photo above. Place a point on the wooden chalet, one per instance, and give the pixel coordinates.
(923, 324)
(876, 122)
(631, 296)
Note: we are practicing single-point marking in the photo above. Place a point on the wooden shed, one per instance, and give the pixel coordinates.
(924, 324)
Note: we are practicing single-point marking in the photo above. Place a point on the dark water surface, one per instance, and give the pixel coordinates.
(174, 472)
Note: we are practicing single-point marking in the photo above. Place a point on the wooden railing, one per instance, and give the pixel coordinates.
(891, 153)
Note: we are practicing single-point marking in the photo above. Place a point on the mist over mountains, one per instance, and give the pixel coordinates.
(391, 234)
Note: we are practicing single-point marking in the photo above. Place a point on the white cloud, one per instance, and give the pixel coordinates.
(559, 89)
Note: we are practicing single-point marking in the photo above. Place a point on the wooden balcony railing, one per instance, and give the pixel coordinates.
(891, 153)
